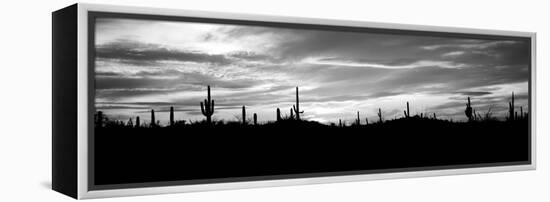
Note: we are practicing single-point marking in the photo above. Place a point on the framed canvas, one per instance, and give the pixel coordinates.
(150, 101)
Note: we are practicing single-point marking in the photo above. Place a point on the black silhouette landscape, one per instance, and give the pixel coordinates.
(202, 102)
(135, 152)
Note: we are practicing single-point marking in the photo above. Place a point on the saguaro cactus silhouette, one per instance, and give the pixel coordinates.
(99, 121)
(358, 120)
(511, 108)
(171, 116)
(521, 112)
(244, 115)
(366, 121)
(255, 119)
(340, 123)
(153, 117)
(407, 113)
(207, 108)
(297, 106)
(380, 120)
(278, 114)
(291, 114)
(137, 122)
(469, 111)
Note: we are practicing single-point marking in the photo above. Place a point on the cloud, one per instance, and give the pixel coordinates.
(336, 71)
(474, 93)
(412, 64)
(453, 54)
(134, 52)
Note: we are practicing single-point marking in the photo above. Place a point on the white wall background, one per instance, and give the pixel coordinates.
(25, 91)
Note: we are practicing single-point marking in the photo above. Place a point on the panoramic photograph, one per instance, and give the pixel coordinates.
(199, 102)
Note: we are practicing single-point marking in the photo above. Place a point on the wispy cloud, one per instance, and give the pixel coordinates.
(147, 64)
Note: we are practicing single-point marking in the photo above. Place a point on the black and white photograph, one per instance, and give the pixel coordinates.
(192, 101)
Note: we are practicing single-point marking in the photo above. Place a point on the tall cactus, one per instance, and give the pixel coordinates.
(171, 116)
(407, 113)
(137, 122)
(511, 108)
(207, 108)
(468, 111)
(291, 114)
(244, 115)
(366, 121)
(521, 112)
(340, 123)
(435, 117)
(278, 114)
(358, 120)
(99, 122)
(380, 116)
(153, 117)
(297, 106)
(255, 119)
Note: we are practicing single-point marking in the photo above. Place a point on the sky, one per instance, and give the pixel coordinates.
(146, 64)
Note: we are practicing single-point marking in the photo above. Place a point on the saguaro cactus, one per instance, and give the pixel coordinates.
(435, 117)
(511, 108)
(366, 121)
(137, 122)
(207, 108)
(244, 115)
(407, 113)
(469, 111)
(340, 123)
(153, 117)
(291, 114)
(380, 120)
(278, 114)
(255, 119)
(521, 112)
(171, 116)
(358, 120)
(99, 119)
(297, 106)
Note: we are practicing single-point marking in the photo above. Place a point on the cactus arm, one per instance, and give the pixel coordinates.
(212, 108)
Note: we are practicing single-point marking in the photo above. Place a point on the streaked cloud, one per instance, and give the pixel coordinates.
(147, 64)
